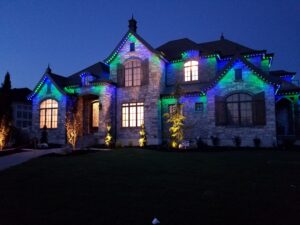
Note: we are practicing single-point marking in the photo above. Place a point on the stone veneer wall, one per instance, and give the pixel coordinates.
(195, 123)
(207, 70)
(107, 113)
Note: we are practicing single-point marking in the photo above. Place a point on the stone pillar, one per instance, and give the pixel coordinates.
(106, 112)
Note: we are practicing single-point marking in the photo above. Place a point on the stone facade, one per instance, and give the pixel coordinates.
(160, 75)
(55, 135)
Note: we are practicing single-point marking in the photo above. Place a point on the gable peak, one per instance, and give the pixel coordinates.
(132, 24)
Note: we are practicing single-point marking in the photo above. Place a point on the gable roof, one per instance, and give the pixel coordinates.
(173, 49)
(123, 41)
(98, 70)
(204, 87)
(224, 47)
(261, 74)
(57, 80)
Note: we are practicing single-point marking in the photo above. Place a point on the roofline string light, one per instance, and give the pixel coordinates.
(38, 87)
(119, 48)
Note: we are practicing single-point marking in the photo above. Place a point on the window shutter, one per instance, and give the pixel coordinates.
(220, 111)
(259, 109)
(121, 75)
(145, 72)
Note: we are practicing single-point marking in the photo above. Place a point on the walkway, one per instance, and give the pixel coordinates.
(18, 158)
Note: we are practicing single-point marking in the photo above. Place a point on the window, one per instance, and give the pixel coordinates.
(132, 47)
(239, 109)
(19, 114)
(24, 115)
(133, 73)
(172, 108)
(95, 114)
(198, 107)
(238, 74)
(132, 114)
(48, 113)
(86, 79)
(191, 71)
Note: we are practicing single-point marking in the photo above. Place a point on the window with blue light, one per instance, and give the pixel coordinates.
(86, 79)
(238, 74)
(132, 47)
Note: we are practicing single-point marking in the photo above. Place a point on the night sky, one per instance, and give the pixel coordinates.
(73, 34)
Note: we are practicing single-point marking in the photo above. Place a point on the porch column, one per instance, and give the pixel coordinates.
(106, 112)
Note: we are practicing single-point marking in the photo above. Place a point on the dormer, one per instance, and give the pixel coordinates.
(86, 79)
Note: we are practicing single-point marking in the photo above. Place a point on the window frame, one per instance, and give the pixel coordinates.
(126, 114)
(45, 110)
(189, 69)
(134, 72)
(92, 115)
(240, 116)
(201, 108)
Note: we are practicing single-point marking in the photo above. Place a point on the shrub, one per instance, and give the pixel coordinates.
(237, 141)
(215, 140)
(44, 136)
(200, 143)
(119, 144)
(143, 137)
(256, 142)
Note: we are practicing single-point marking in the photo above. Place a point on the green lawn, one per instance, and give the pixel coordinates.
(133, 186)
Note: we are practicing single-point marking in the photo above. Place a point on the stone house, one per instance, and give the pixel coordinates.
(227, 90)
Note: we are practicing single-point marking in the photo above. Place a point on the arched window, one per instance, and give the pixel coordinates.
(239, 109)
(95, 114)
(191, 71)
(133, 73)
(48, 113)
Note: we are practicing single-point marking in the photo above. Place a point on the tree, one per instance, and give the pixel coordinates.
(143, 136)
(5, 100)
(176, 120)
(108, 137)
(72, 123)
(4, 131)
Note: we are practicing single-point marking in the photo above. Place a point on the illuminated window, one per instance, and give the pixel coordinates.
(172, 108)
(191, 71)
(239, 109)
(133, 73)
(95, 114)
(132, 114)
(48, 113)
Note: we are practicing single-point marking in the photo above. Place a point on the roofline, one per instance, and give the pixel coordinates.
(40, 84)
(123, 41)
(229, 65)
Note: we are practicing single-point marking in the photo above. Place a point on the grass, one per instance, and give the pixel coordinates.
(134, 186)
